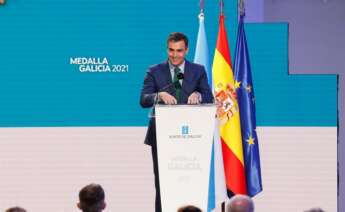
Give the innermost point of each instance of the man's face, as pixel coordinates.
(176, 52)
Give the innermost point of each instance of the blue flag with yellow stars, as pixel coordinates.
(246, 101)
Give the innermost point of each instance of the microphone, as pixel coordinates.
(180, 76)
(166, 88)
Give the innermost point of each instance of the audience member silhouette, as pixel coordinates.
(315, 210)
(240, 203)
(16, 209)
(189, 208)
(91, 198)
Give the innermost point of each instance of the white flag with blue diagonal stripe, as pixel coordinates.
(217, 187)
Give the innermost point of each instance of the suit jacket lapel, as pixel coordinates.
(188, 75)
(166, 73)
(167, 78)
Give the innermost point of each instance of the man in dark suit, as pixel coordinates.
(176, 81)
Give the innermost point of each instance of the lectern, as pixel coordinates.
(184, 145)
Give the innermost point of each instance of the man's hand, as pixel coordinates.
(194, 98)
(167, 98)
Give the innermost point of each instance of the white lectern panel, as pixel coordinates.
(184, 144)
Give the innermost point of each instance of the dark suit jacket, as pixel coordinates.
(158, 78)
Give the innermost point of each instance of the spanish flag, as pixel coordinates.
(228, 113)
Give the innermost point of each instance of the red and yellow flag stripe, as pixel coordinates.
(230, 129)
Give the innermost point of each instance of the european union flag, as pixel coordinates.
(246, 101)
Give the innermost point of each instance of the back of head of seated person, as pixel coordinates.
(315, 210)
(240, 203)
(16, 209)
(91, 198)
(189, 208)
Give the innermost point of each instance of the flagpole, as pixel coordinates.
(241, 8)
(201, 14)
(221, 5)
(201, 6)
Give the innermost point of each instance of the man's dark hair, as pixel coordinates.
(91, 198)
(189, 208)
(16, 209)
(178, 36)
